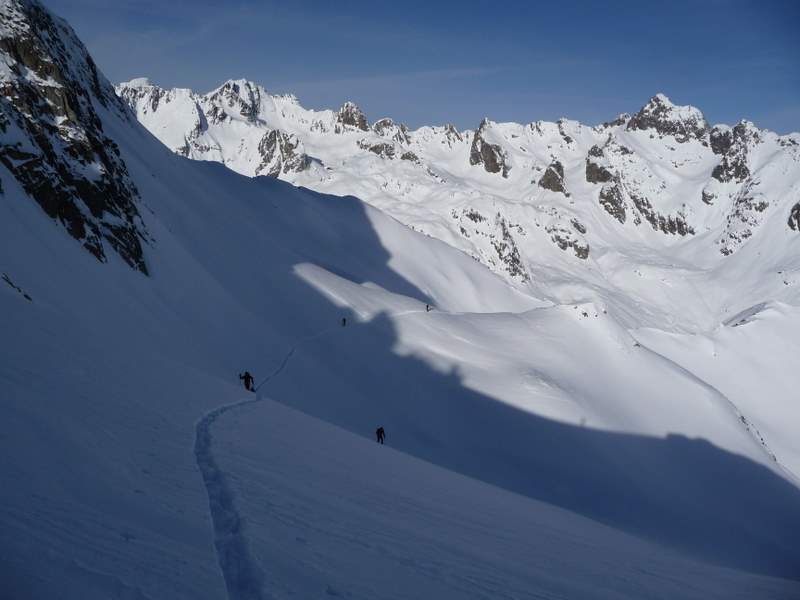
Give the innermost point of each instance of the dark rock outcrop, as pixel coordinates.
(351, 116)
(563, 132)
(491, 156)
(553, 178)
(135, 92)
(613, 198)
(388, 128)
(242, 96)
(734, 145)
(794, 217)
(280, 153)
(507, 251)
(578, 226)
(452, 135)
(382, 149)
(744, 218)
(566, 239)
(596, 173)
(672, 224)
(52, 138)
(720, 139)
(613, 201)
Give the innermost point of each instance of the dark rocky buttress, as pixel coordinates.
(553, 178)
(351, 116)
(491, 156)
(52, 139)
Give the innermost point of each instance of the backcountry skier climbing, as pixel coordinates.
(380, 434)
(248, 381)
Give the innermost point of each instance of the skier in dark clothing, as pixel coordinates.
(248, 381)
(380, 434)
(344, 321)
(427, 308)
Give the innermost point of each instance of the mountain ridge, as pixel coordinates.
(517, 197)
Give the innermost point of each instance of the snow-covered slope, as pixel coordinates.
(658, 207)
(135, 466)
(406, 529)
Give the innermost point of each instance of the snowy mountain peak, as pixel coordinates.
(668, 119)
(350, 115)
(241, 95)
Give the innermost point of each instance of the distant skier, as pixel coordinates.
(248, 381)
(380, 434)
(427, 308)
(344, 321)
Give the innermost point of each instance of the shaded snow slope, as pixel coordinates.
(744, 359)
(324, 512)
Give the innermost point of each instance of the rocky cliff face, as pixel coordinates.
(52, 139)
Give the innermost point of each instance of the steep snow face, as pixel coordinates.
(52, 140)
(570, 212)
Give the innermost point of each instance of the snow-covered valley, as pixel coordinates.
(584, 433)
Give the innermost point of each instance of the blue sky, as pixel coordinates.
(435, 62)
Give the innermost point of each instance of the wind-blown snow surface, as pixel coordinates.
(535, 447)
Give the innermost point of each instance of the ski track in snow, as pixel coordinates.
(243, 576)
